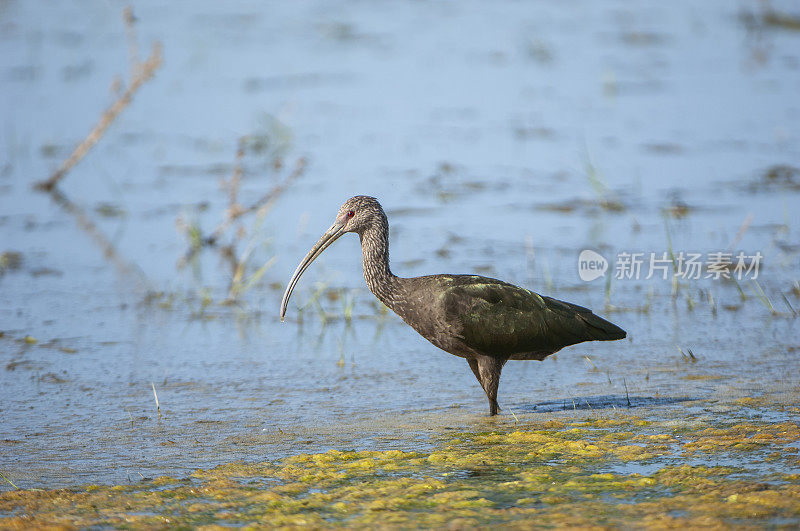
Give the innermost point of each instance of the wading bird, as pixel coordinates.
(484, 320)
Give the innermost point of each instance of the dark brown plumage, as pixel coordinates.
(484, 320)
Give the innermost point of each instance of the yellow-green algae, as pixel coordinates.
(554, 473)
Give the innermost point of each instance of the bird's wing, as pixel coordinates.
(502, 319)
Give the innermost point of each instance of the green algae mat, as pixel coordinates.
(699, 469)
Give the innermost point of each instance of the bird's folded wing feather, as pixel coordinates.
(500, 318)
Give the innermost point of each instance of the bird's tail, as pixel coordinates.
(601, 330)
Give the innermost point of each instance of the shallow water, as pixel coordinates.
(501, 139)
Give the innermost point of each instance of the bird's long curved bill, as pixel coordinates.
(330, 236)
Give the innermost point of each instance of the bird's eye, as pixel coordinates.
(350, 214)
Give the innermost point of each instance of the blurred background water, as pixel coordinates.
(502, 138)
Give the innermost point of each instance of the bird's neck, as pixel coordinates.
(380, 279)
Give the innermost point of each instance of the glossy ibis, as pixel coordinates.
(484, 320)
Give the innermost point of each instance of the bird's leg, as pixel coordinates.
(487, 370)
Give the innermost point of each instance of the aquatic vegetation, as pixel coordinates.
(10, 261)
(586, 472)
(605, 198)
(269, 146)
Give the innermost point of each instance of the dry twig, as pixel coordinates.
(263, 204)
(236, 211)
(142, 72)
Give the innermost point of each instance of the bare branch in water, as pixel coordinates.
(142, 72)
(235, 211)
(263, 204)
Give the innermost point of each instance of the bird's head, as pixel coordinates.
(355, 215)
(358, 213)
